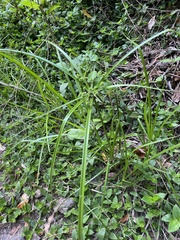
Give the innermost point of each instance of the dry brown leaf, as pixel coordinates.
(48, 224)
(166, 164)
(26, 224)
(176, 95)
(24, 201)
(15, 229)
(38, 193)
(63, 205)
(137, 149)
(2, 148)
(111, 174)
(151, 22)
(104, 157)
(86, 13)
(140, 152)
(176, 76)
(124, 219)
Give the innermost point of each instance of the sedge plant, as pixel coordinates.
(85, 95)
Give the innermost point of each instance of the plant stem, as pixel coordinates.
(83, 173)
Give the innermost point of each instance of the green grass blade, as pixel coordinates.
(59, 138)
(83, 173)
(37, 57)
(68, 58)
(134, 49)
(33, 74)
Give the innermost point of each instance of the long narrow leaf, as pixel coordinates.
(33, 74)
(59, 138)
(134, 49)
(83, 173)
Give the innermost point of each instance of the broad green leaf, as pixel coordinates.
(75, 134)
(16, 213)
(85, 218)
(153, 213)
(31, 4)
(107, 202)
(151, 200)
(155, 198)
(167, 218)
(161, 195)
(176, 178)
(112, 236)
(148, 199)
(115, 199)
(109, 192)
(140, 222)
(85, 230)
(2, 203)
(105, 221)
(54, 7)
(159, 79)
(174, 225)
(101, 234)
(176, 212)
(116, 205)
(74, 234)
(90, 232)
(92, 75)
(63, 86)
